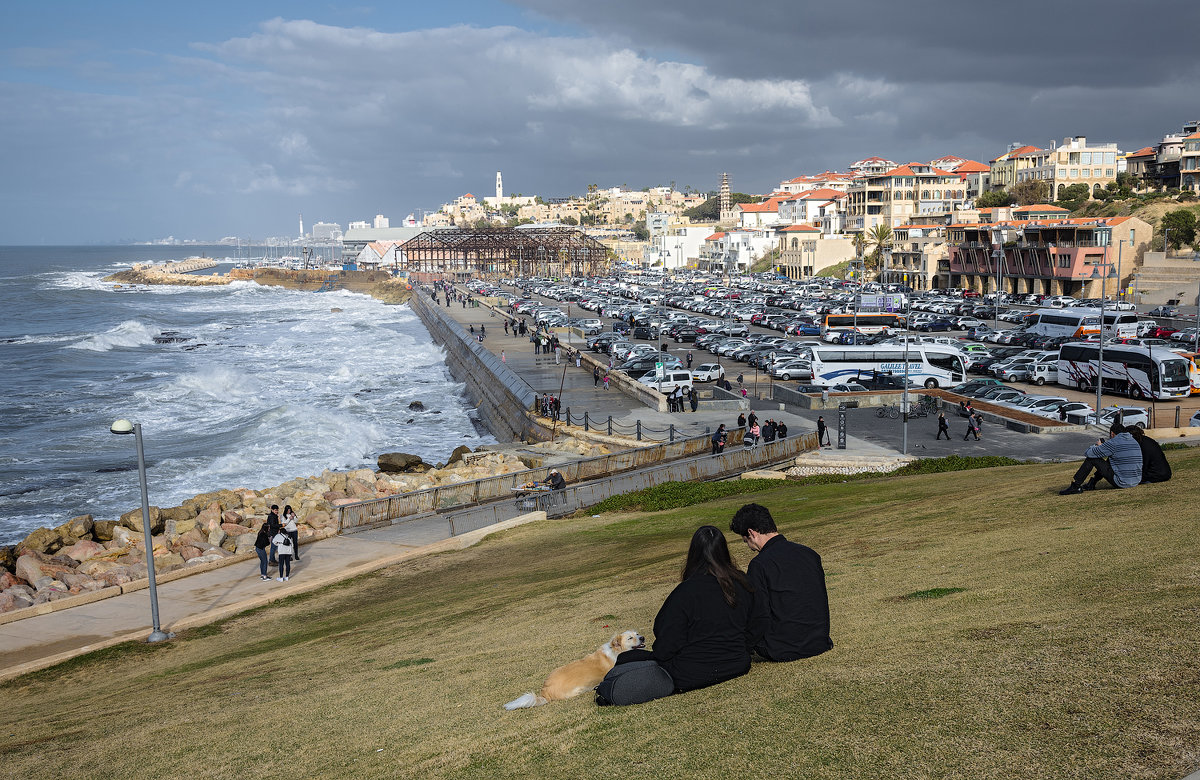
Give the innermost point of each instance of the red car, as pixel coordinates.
(1162, 332)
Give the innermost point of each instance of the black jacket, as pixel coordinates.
(1155, 467)
(789, 579)
(698, 638)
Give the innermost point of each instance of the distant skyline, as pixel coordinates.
(132, 121)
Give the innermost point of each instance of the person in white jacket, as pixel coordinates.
(283, 551)
(289, 526)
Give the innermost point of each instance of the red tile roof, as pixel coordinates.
(800, 229)
(715, 237)
(1040, 207)
(1148, 151)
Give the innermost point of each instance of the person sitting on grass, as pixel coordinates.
(701, 633)
(1118, 460)
(1155, 467)
(789, 581)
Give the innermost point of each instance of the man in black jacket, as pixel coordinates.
(789, 576)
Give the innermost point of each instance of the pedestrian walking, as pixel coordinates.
(503, 359)
(822, 431)
(578, 360)
(606, 381)
(972, 428)
(740, 383)
(506, 326)
(943, 426)
(482, 332)
(557, 352)
(596, 376)
(694, 399)
(689, 360)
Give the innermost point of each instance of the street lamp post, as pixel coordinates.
(1103, 277)
(125, 427)
(996, 255)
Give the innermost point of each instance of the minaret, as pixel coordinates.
(301, 225)
(499, 186)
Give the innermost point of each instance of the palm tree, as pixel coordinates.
(880, 237)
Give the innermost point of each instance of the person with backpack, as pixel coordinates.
(283, 551)
(718, 440)
(972, 427)
(292, 530)
(273, 527)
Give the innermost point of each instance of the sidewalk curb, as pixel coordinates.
(453, 543)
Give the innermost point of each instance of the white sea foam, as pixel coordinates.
(130, 333)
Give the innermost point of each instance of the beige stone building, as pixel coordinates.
(805, 250)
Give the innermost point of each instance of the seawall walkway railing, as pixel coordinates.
(471, 505)
(447, 497)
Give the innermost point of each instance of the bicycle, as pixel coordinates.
(889, 410)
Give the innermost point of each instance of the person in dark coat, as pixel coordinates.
(273, 527)
(789, 581)
(822, 431)
(262, 543)
(1155, 467)
(741, 421)
(781, 429)
(693, 399)
(943, 426)
(701, 632)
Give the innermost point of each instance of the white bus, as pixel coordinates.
(1136, 371)
(1079, 322)
(931, 365)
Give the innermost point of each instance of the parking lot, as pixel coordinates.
(751, 318)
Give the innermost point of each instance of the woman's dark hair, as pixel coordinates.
(709, 553)
(287, 510)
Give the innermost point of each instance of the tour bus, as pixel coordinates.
(931, 365)
(1079, 322)
(868, 323)
(1136, 371)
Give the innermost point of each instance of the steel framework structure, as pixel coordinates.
(505, 252)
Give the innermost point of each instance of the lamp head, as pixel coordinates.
(121, 427)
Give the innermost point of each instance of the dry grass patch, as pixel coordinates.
(1063, 645)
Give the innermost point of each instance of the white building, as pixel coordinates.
(381, 222)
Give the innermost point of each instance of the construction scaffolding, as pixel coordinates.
(545, 252)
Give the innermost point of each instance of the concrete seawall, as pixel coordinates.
(501, 396)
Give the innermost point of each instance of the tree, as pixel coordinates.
(569, 220)
(1073, 197)
(879, 237)
(993, 199)
(640, 231)
(710, 210)
(1179, 227)
(1029, 192)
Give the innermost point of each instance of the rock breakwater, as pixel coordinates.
(85, 554)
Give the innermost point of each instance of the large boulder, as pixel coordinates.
(165, 563)
(244, 543)
(8, 557)
(84, 549)
(42, 540)
(217, 536)
(102, 530)
(182, 525)
(133, 520)
(76, 528)
(458, 453)
(398, 462)
(223, 499)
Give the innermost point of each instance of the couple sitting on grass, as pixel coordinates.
(717, 619)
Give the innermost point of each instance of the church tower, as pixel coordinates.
(499, 186)
(726, 214)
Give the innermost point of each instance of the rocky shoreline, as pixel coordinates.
(84, 554)
(378, 284)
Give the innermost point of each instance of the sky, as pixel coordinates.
(134, 121)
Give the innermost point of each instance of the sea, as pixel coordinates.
(264, 385)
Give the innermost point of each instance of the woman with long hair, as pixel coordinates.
(702, 634)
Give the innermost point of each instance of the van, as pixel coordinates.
(670, 380)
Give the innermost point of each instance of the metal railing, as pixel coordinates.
(571, 499)
(445, 497)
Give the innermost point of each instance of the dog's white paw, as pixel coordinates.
(522, 702)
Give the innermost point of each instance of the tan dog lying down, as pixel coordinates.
(578, 676)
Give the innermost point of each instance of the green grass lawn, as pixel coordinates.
(983, 626)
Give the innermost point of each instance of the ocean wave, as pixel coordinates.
(130, 333)
(78, 280)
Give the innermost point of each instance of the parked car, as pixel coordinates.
(1127, 415)
(975, 384)
(708, 372)
(1164, 311)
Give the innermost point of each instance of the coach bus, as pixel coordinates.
(867, 324)
(1080, 322)
(931, 365)
(1136, 371)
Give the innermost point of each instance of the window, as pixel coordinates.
(1085, 158)
(1062, 173)
(1109, 158)
(1074, 173)
(1108, 173)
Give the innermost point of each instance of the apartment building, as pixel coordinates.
(805, 250)
(811, 207)
(1074, 162)
(829, 180)
(734, 251)
(1189, 163)
(918, 254)
(1058, 257)
(1003, 170)
(898, 195)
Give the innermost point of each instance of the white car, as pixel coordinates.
(1128, 416)
(1195, 421)
(708, 372)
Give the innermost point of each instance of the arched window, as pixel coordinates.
(795, 243)
(1096, 191)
